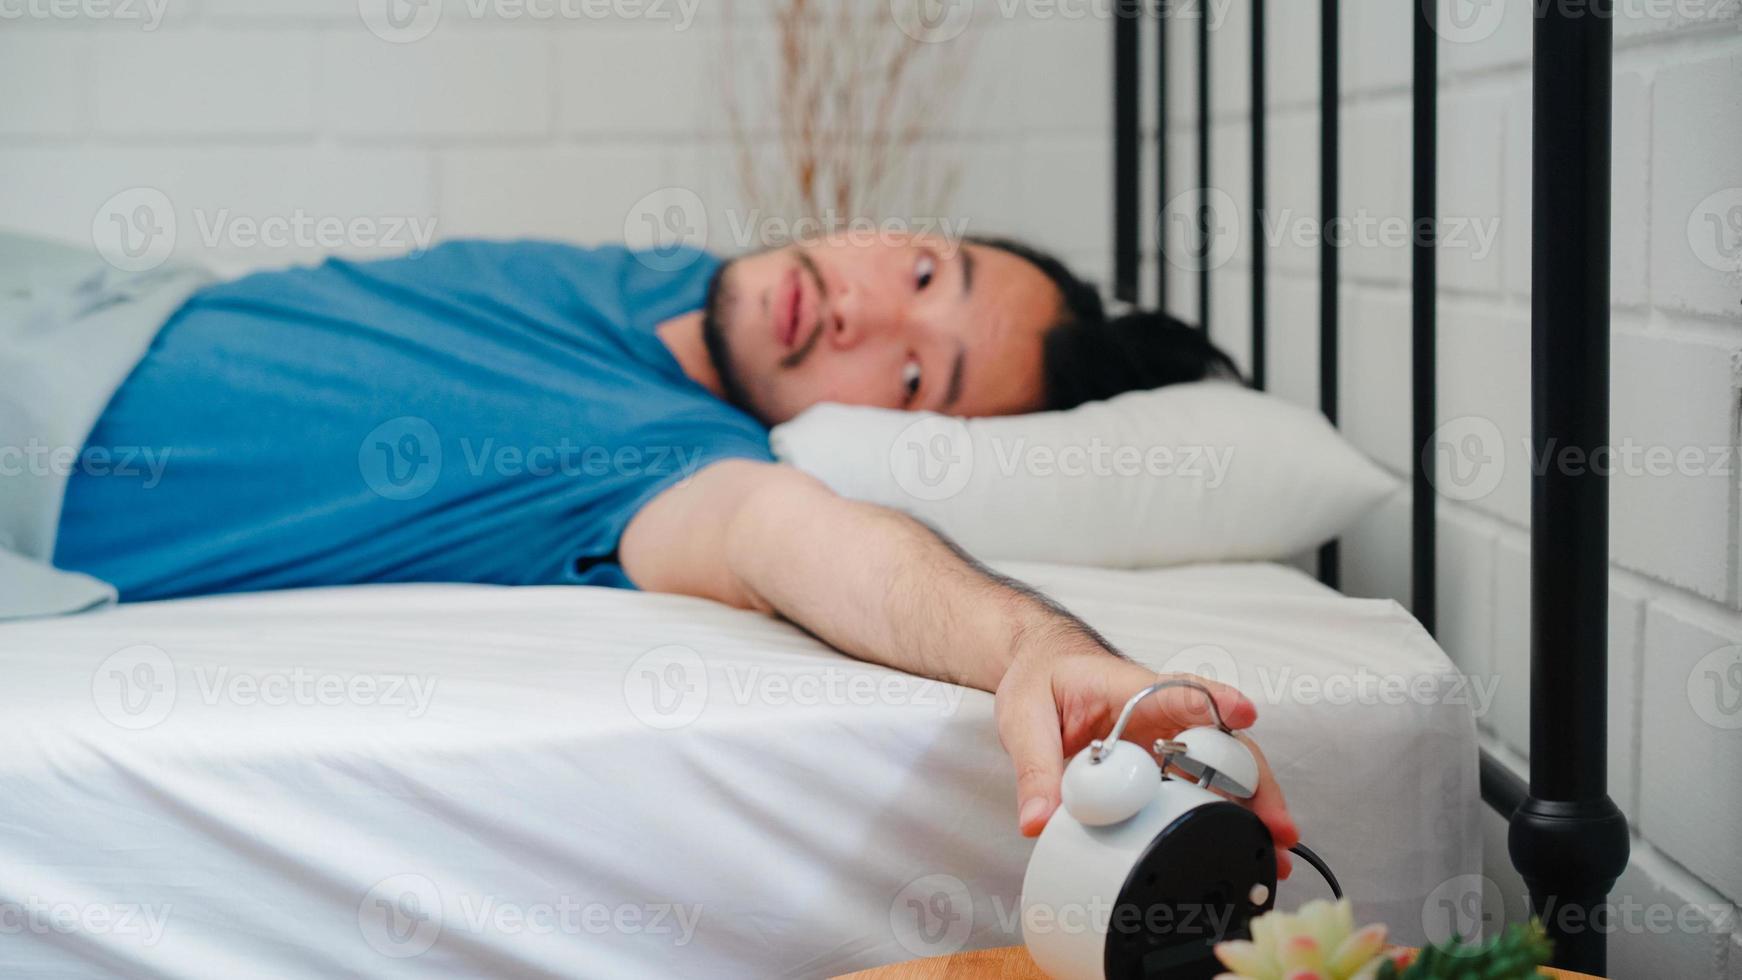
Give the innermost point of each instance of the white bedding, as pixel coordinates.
(507, 799)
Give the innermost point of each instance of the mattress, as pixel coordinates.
(445, 780)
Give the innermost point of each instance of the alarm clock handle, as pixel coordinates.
(1099, 746)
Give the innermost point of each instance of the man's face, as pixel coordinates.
(916, 323)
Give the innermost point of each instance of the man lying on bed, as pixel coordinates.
(537, 413)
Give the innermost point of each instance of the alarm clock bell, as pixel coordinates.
(1140, 873)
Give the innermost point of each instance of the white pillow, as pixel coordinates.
(1208, 471)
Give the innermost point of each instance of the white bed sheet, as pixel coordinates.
(506, 808)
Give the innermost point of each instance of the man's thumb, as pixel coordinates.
(1028, 725)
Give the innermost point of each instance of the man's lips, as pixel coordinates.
(789, 303)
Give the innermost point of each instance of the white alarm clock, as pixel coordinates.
(1139, 874)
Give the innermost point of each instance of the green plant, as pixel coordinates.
(1516, 953)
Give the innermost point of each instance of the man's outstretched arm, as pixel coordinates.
(881, 587)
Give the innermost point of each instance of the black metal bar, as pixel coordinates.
(1204, 209)
(1330, 97)
(1502, 789)
(1161, 159)
(1424, 284)
(1258, 176)
(1568, 839)
(1127, 153)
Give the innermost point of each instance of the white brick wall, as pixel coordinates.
(201, 82)
(1676, 601)
(503, 119)
(506, 124)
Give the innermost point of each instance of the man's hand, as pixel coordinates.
(879, 586)
(1051, 705)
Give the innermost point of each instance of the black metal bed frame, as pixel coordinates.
(1567, 838)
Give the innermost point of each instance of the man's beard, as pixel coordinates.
(714, 331)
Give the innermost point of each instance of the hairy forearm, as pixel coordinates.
(882, 587)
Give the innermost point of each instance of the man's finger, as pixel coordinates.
(1271, 808)
(1173, 709)
(1028, 727)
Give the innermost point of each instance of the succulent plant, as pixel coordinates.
(1516, 953)
(1320, 942)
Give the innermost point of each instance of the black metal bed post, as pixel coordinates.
(1569, 840)
(1161, 158)
(1127, 152)
(1423, 285)
(1258, 176)
(1330, 107)
(1205, 212)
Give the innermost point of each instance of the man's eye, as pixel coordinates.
(924, 270)
(910, 379)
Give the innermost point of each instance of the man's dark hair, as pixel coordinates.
(1087, 356)
(1085, 361)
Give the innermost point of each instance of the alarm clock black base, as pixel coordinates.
(1193, 888)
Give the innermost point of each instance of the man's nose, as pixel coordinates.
(853, 317)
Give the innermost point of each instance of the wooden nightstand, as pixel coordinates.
(1007, 963)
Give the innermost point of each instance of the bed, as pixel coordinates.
(1566, 836)
(446, 780)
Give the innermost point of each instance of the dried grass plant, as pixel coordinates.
(832, 118)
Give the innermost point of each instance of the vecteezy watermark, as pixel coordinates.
(757, 229)
(147, 14)
(1100, 916)
(937, 21)
(1201, 228)
(1469, 459)
(138, 686)
(135, 687)
(406, 914)
(222, 228)
(1465, 907)
(1205, 660)
(36, 458)
(1361, 685)
(932, 915)
(668, 227)
(36, 916)
(401, 916)
(1715, 231)
(935, 914)
(1470, 906)
(138, 228)
(934, 458)
(1468, 21)
(1715, 688)
(1474, 234)
(670, 686)
(403, 458)
(135, 230)
(567, 457)
(666, 687)
(405, 21)
(1629, 916)
(1475, 21)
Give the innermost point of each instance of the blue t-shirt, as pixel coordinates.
(482, 412)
